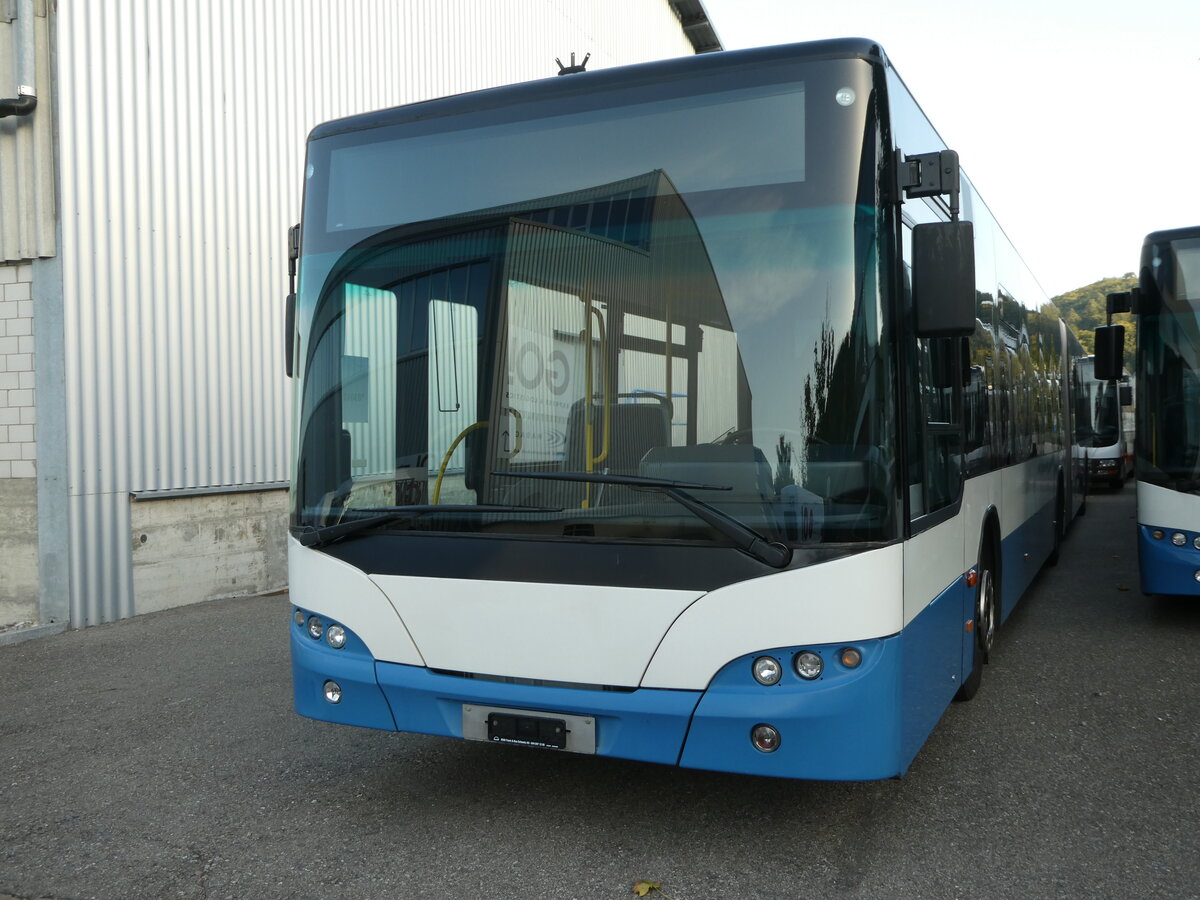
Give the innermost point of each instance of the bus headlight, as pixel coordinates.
(1196, 542)
(1157, 534)
(315, 628)
(767, 670)
(808, 665)
(298, 617)
(1179, 539)
(335, 636)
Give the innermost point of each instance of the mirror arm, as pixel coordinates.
(930, 175)
(289, 315)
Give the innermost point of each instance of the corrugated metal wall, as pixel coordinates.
(181, 141)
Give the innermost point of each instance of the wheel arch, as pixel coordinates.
(989, 539)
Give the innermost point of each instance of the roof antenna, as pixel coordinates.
(572, 69)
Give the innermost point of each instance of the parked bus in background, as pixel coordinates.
(1166, 302)
(1100, 419)
(694, 412)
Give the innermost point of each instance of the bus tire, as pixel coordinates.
(986, 621)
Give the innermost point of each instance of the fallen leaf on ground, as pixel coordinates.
(642, 888)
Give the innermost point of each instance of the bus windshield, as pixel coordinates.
(679, 284)
(1098, 409)
(1168, 447)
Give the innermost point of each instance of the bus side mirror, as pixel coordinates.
(1119, 302)
(289, 309)
(943, 274)
(1110, 352)
(289, 333)
(1126, 395)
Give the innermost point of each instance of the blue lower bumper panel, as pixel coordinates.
(1165, 568)
(647, 725)
(352, 669)
(845, 725)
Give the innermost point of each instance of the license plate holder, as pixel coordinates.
(529, 728)
(529, 731)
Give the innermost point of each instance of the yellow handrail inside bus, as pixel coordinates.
(518, 437)
(437, 487)
(591, 459)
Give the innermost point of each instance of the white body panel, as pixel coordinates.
(1165, 508)
(854, 598)
(631, 637)
(560, 632)
(933, 560)
(332, 588)
(600, 635)
(1025, 488)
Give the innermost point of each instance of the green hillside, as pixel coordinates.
(1083, 309)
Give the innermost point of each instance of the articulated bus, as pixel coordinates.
(1102, 425)
(695, 412)
(1166, 302)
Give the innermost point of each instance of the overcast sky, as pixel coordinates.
(1077, 120)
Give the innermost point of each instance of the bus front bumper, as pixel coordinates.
(845, 725)
(1165, 567)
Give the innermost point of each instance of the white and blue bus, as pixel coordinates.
(1103, 427)
(693, 412)
(1166, 303)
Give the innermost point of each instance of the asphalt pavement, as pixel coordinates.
(159, 757)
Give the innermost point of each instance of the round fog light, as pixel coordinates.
(315, 628)
(1196, 574)
(336, 636)
(767, 670)
(333, 692)
(808, 665)
(850, 657)
(1179, 539)
(765, 738)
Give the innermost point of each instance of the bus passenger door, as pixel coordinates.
(934, 552)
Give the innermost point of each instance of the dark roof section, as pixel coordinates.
(694, 20)
(601, 79)
(1172, 234)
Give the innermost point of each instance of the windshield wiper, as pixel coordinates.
(312, 536)
(744, 537)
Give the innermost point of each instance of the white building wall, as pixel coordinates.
(18, 411)
(181, 128)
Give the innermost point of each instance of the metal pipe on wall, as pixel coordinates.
(26, 100)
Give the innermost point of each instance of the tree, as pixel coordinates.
(1084, 309)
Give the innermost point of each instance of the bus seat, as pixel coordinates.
(636, 428)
